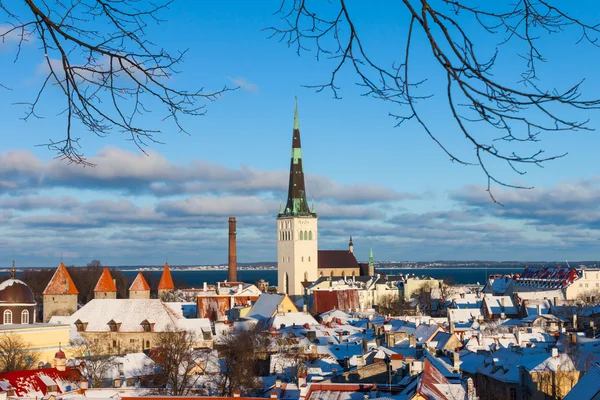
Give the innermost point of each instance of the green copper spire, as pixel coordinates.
(371, 259)
(296, 120)
(280, 206)
(296, 204)
(313, 206)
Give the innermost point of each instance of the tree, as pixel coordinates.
(389, 304)
(452, 37)
(108, 71)
(240, 350)
(178, 362)
(97, 358)
(16, 354)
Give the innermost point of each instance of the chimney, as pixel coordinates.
(240, 288)
(452, 328)
(273, 395)
(236, 393)
(204, 287)
(574, 321)
(232, 277)
(365, 347)
(554, 352)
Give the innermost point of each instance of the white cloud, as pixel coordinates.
(244, 84)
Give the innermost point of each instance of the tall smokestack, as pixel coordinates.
(232, 251)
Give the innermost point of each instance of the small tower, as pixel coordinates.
(60, 360)
(105, 288)
(165, 286)
(60, 295)
(371, 263)
(139, 289)
(351, 245)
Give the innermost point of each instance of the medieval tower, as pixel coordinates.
(297, 230)
(60, 296)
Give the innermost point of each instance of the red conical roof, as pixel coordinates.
(166, 281)
(105, 283)
(139, 284)
(61, 282)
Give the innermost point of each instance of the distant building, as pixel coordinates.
(165, 285)
(217, 302)
(411, 285)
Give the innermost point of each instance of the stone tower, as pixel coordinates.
(297, 229)
(105, 288)
(60, 296)
(165, 286)
(139, 289)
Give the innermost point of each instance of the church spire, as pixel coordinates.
(296, 204)
(371, 258)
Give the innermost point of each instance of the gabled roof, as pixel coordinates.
(105, 283)
(166, 281)
(266, 306)
(587, 388)
(337, 259)
(139, 284)
(61, 282)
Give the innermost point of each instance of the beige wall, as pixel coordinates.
(62, 305)
(339, 272)
(413, 286)
(139, 294)
(129, 342)
(587, 285)
(105, 295)
(296, 258)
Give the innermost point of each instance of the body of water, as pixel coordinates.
(197, 278)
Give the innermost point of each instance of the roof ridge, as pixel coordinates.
(139, 283)
(61, 282)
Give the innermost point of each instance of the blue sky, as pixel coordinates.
(391, 188)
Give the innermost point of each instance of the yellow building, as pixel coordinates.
(43, 339)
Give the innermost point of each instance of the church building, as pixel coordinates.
(298, 258)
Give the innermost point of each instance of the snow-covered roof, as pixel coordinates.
(464, 315)
(129, 314)
(500, 304)
(292, 318)
(587, 388)
(266, 306)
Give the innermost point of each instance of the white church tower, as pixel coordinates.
(297, 229)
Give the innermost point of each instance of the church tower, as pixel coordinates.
(297, 230)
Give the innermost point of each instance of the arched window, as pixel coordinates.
(305, 276)
(302, 259)
(308, 258)
(7, 317)
(25, 317)
(309, 235)
(302, 237)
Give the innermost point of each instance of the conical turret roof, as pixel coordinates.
(166, 281)
(139, 284)
(105, 283)
(61, 282)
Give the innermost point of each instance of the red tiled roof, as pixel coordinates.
(430, 379)
(139, 284)
(61, 282)
(105, 283)
(29, 383)
(337, 259)
(166, 281)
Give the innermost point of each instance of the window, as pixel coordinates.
(309, 235)
(25, 317)
(131, 341)
(7, 317)
(147, 326)
(114, 343)
(147, 344)
(302, 259)
(301, 236)
(308, 258)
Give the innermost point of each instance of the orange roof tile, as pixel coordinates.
(166, 281)
(105, 283)
(139, 284)
(61, 282)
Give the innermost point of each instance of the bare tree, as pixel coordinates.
(180, 364)
(389, 304)
(454, 36)
(98, 56)
(97, 358)
(240, 350)
(16, 354)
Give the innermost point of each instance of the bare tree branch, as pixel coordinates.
(477, 99)
(97, 54)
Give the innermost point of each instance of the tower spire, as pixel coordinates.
(296, 204)
(13, 271)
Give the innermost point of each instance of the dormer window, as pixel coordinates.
(147, 326)
(113, 326)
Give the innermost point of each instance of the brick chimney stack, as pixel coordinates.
(232, 262)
